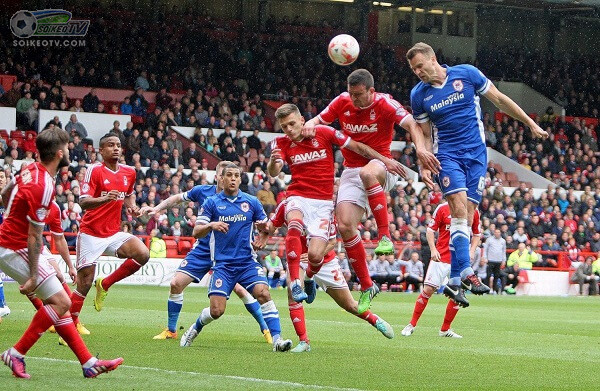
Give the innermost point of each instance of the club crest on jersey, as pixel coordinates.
(458, 85)
(125, 180)
(218, 283)
(372, 115)
(315, 143)
(339, 134)
(446, 181)
(41, 213)
(245, 207)
(85, 188)
(183, 263)
(347, 113)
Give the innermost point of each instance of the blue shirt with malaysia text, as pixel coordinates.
(199, 194)
(240, 212)
(453, 108)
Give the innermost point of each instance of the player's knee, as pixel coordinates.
(262, 295)
(367, 174)
(142, 256)
(216, 312)
(177, 287)
(428, 290)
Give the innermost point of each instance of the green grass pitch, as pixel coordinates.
(509, 343)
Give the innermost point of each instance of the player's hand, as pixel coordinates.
(262, 225)
(538, 132)
(29, 286)
(276, 155)
(112, 195)
(435, 255)
(428, 161)
(395, 167)
(219, 226)
(308, 130)
(426, 178)
(149, 210)
(304, 257)
(73, 275)
(260, 241)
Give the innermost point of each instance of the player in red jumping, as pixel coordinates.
(106, 187)
(27, 208)
(369, 117)
(310, 195)
(439, 268)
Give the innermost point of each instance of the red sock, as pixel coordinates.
(369, 317)
(37, 303)
(293, 246)
(451, 310)
(297, 316)
(43, 318)
(313, 268)
(378, 205)
(128, 267)
(76, 305)
(67, 288)
(420, 305)
(66, 329)
(358, 259)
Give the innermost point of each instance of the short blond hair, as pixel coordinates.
(285, 110)
(420, 48)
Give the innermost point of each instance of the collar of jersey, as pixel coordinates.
(232, 200)
(445, 80)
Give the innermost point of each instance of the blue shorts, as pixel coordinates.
(225, 276)
(464, 170)
(195, 265)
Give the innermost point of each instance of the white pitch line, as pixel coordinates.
(231, 377)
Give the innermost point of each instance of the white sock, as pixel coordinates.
(89, 363)
(248, 299)
(205, 317)
(176, 298)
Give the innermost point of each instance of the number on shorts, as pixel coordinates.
(481, 185)
(336, 275)
(324, 224)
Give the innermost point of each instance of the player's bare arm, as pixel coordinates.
(392, 165)
(475, 240)
(201, 230)
(132, 206)
(435, 254)
(5, 194)
(34, 246)
(63, 249)
(164, 204)
(275, 163)
(94, 202)
(426, 173)
(509, 106)
(421, 137)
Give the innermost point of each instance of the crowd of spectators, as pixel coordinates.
(123, 53)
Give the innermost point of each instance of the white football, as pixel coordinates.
(343, 49)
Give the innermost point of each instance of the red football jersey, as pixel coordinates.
(29, 201)
(311, 162)
(105, 220)
(53, 220)
(373, 125)
(441, 223)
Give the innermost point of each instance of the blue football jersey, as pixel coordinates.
(240, 213)
(453, 108)
(199, 194)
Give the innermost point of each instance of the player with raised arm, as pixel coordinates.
(310, 197)
(329, 277)
(27, 208)
(439, 267)
(106, 187)
(368, 117)
(198, 261)
(447, 100)
(229, 218)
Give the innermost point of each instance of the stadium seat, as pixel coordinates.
(184, 246)
(511, 176)
(172, 253)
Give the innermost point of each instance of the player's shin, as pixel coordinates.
(126, 269)
(67, 331)
(293, 247)
(378, 205)
(420, 305)
(451, 311)
(37, 303)
(271, 316)
(358, 259)
(253, 308)
(298, 320)
(460, 237)
(204, 319)
(174, 305)
(369, 317)
(43, 318)
(77, 300)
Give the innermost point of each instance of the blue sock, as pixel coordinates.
(454, 268)
(254, 309)
(460, 237)
(2, 303)
(271, 316)
(174, 305)
(203, 319)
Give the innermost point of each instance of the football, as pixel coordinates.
(23, 24)
(343, 49)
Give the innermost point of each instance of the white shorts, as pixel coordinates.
(16, 265)
(438, 274)
(90, 248)
(317, 215)
(353, 190)
(49, 256)
(330, 276)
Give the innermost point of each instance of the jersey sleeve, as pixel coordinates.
(399, 113)
(38, 202)
(131, 187)
(259, 214)
(54, 222)
(88, 189)
(333, 136)
(207, 212)
(436, 220)
(416, 102)
(480, 81)
(194, 194)
(331, 112)
(476, 227)
(278, 218)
